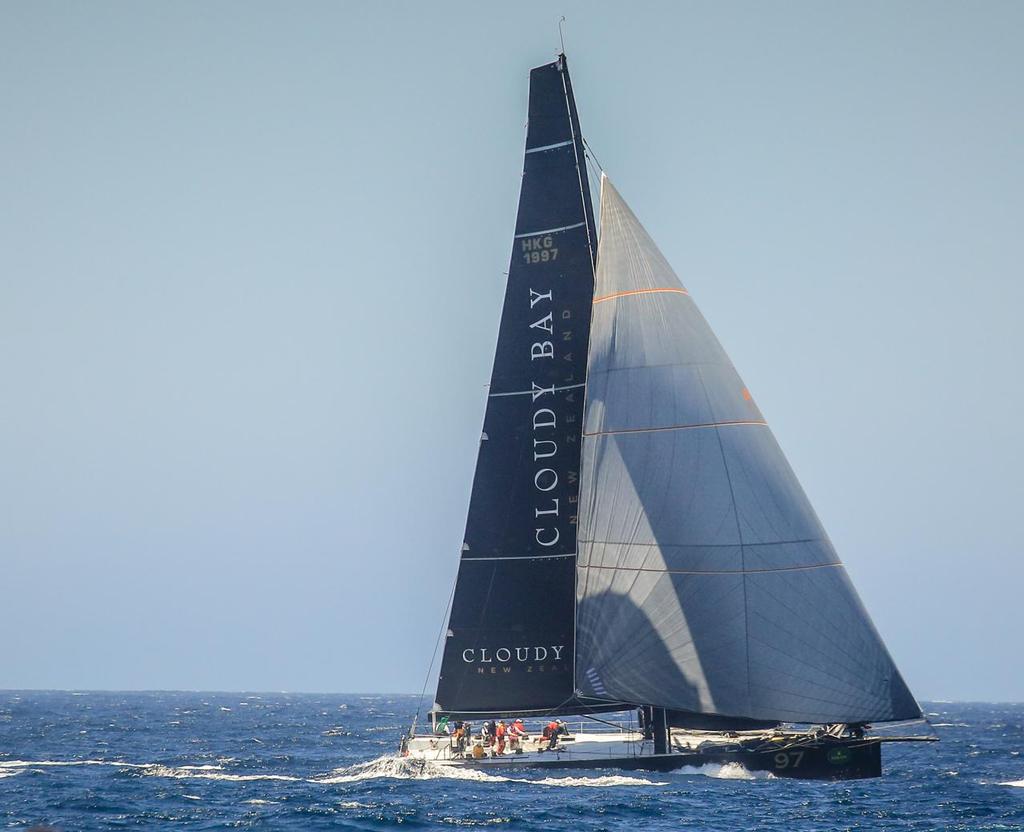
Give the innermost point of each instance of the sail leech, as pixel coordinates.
(707, 583)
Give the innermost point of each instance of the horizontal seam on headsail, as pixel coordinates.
(681, 427)
(542, 390)
(716, 571)
(551, 230)
(548, 146)
(614, 295)
(524, 557)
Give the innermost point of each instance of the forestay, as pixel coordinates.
(706, 582)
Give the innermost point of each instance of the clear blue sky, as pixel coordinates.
(251, 266)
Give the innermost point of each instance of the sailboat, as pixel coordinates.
(636, 541)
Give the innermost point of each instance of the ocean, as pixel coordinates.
(278, 761)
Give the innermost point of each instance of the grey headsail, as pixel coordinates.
(509, 644)
(706, 582)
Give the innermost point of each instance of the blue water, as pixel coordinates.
(217, 761)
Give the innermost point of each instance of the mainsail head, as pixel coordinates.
(706, 582)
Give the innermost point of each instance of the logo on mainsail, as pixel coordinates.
(504, 655)
(545, 479)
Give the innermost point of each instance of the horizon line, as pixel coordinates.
(378, 693)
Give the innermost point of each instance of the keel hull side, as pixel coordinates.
(839, 761)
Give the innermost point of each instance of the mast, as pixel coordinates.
(510, 641)
(707, 584)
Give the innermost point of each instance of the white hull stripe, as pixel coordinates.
(550, 230)
(526, 557)
(548, 146)
(543, 390)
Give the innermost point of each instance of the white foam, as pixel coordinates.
(609, 780)
(391, 767)
(209, 773)
(402, 768)
(22, 764)
(257, 802)
(1018, 783)
(9, 768)
(725, 771)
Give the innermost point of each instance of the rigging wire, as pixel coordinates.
(594, 173)
(592, 154)
(594, 177)
(433, 657)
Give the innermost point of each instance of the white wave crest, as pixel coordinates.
(9, 768)
(398, 768)
(726, 771)
(209, 773)
(1018, 783)
(403, 768)
(48, 763)
(609, 780)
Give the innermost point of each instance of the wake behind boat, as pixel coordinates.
(636, 538)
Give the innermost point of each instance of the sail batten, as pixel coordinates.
(706, 584)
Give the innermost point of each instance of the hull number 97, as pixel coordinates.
(788, 759)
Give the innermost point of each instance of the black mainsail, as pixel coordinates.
(706, 582)
(510, 639)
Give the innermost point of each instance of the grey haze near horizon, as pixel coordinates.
(251, 267)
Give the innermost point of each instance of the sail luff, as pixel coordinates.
(707, 583)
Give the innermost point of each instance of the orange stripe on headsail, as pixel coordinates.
(638, 292)
(725, 424)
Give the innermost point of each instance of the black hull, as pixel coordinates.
(839, 760)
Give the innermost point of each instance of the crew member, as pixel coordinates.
(500, 734)
(517, 732)
(459, 739)
(552, 731)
